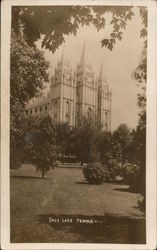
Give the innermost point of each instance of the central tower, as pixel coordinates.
(62, 93)
(86, 98)
(104, 102)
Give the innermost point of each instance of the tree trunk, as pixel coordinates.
(122, 158)
(43, 174)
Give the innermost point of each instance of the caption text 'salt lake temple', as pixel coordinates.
(73, 96)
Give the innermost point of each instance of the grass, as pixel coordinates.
(48, 210)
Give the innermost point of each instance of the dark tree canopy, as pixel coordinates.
(122, 136)
(28, 74)
(28, 69)
(140, 75)
(85, 141)
(54, 22)
(41, 132)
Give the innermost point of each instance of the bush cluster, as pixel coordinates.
(94, 173)
(141, 202)
(131, 174)
(15, 158)
(15, 161)
(134, 177)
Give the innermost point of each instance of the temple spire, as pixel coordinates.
(82, 60)
(101, 72)
(62, 56)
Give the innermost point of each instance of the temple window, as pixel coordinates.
(55, 119)
(89, 112)
(67, 106)
(67, 118)
(105, 116)
(55, 107)
(106, 127)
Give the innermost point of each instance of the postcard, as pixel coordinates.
(78, 148)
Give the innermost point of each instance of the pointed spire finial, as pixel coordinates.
(62, 56)
(101, 72)
(82, 60)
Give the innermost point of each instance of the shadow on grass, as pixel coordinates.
(82, 182)
(125, 190)
(28, 177)
(97, 229)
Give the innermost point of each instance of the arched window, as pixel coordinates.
(55, 106)
(89, 112)
(40, 109)
(106, 116)
(35, 110)
(67, 107)
(45, 107)
(106, 127)
(55, 118)
(67, 118)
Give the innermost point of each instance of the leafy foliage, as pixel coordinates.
(28, 70)
(123, 138)
(64, 138)
(134, 177)
(140, 75)
(108, 147)
(28, 73)
(119, 23)
(109, 154)
(139, 134)
(58, 21)
(94, 173)
(85, 139)
(18, 126)
(141, 203)
(42, 137)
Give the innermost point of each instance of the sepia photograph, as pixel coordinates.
(77, 123)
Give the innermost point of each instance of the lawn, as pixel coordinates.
(63, 207)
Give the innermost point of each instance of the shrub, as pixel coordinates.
(42, 151)
(94, 173)
(134, 177)
(141, 202)
(15, 155)
(15, 160)
(112, 169)
(44, 161)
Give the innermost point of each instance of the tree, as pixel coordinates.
(139, 134)
(109, 151)
(140, 75)
(123, 138)
(85, 141)
(104, 145)
(42, 137)
(64, 138)
(28, 70)
(28, 74)
(18, 126)
(58, 21)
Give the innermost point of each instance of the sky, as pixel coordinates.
(118, 64)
